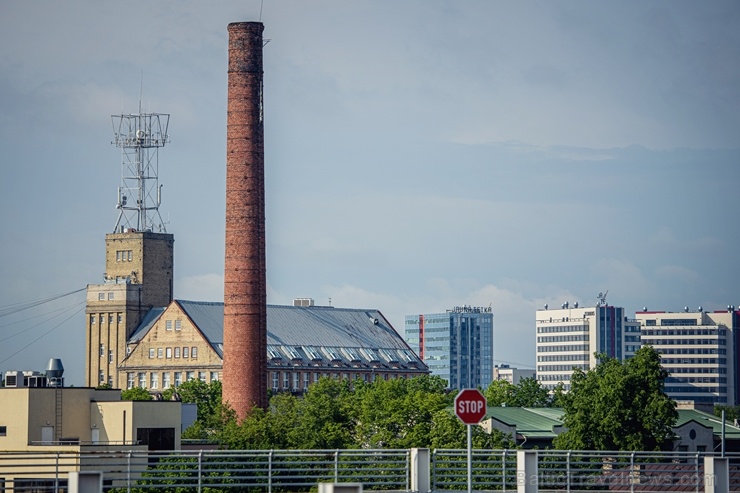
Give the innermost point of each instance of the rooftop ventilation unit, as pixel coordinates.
(303, 302)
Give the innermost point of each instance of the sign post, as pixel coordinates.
(470, 407)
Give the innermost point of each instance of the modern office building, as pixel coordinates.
(456, 345)
(570, 337)
(512, 375)
(698, 348)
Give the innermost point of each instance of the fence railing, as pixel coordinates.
(213, 471)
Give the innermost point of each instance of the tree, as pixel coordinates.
(499, 393)
(136, 394)
(529, 393)
(619, 406)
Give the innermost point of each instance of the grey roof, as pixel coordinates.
(309, 336)
(149, 320)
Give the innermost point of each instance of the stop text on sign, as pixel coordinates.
(470, 407)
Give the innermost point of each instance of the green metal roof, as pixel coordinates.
(708, 420)
(532, 422)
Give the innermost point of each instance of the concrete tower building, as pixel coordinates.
(699, 349)
(570, 336)
(245, 290)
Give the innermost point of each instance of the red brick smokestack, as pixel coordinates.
(245, 286)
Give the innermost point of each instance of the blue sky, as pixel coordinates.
(419, 155)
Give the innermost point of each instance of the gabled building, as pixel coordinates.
(184, 341)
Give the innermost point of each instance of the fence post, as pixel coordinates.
(128, 471)
(269, 471)
(336, 466)
(420, 470)
(632, 472)
(526, 471)
(716, 475)
(200, 470)
(503, 470)
(698, 482)
(568, 473)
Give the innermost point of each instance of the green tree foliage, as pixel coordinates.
(397, 413)
(731, 412)
(527, 393)
(619, 406)
(211, 413)
(104, 386)
(499, 393)
(136, 394)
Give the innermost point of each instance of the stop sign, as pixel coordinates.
(470, 406)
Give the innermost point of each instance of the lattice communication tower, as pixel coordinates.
(139, 196)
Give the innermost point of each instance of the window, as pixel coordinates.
(178, 324)
(120, 318)
(151, 352)
(275, 380)
(3, 431)
(131, 380)
(296, 376)
(306, 380)
(185, 352)
(166, 380)
(92, 319)
(286, 380)
(142, 379)
(110, 297)
(194, 352)
(101, 376)
(214, 376)
(110, 317)
(101, 296)
(110, 356)
(130, 255)
(202, 376)
(102, 350)
(168, 325)
(154, 380)
(178, 378)
(190, 376)
(160, 352)
(168, 352)
(177, 352)
(118, 255)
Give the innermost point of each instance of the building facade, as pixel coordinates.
(699, 350)
(138, 277)
(184, 341)
(456, 345)
(570, 337)
(512, 375)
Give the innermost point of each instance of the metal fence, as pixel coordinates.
(214, 471)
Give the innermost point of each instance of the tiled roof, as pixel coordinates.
(306, 336)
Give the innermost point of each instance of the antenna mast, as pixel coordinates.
(139, 196)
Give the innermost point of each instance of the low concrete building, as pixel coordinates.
(41, 426)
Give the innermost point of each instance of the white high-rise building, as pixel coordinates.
(698, 349)
(570, 337)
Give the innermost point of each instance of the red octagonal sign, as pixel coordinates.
(470, 406)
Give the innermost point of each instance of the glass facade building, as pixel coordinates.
(456, 345)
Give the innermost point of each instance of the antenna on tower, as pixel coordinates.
(602, 298)
(139, 136)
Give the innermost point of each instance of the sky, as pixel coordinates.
(419, 155)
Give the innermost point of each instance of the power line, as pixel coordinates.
(42, 335)
(57, 313)
(25, 305)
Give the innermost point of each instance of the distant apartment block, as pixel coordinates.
(569, 337)
(512, 375)
(456, 345)
(698, 348)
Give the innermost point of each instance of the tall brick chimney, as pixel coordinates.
(245, 287)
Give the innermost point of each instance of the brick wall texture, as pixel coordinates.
(245, 293)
